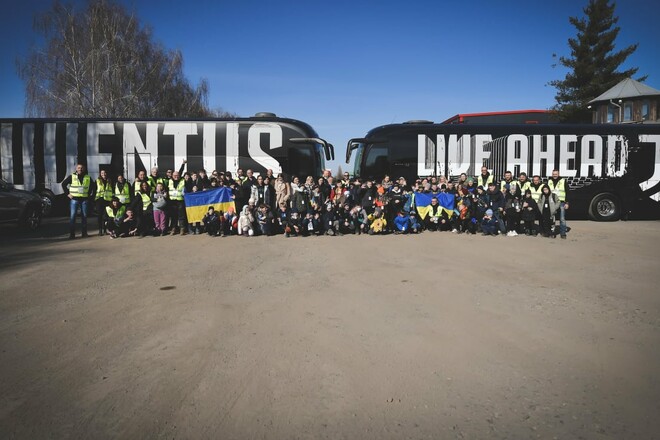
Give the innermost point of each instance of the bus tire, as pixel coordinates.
(605, 207)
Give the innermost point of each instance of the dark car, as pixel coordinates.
(19, 206)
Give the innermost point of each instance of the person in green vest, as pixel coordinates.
(114, 215)
(123, 190)
(485, 178)
(559, 187)
(77, 187)
(177, 206)
(141, 177)
(143, 204)
(102, 199)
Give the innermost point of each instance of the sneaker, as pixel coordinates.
(509, 234)
(454, 231)
(563, 236)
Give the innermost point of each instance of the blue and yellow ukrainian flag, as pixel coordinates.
(423, 203)
(197, 204)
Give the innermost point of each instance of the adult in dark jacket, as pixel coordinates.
(497, 203)
(529, 213)
(78, 187)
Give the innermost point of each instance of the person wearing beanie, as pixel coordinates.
(529, 213)
(489, 223)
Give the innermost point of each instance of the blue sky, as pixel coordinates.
(348, 66)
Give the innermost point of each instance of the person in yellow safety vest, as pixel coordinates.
(485, 178)
(102, 199)
(141, 177)
(177, 205)
(142, 204)
(77, 187)
(536, 187)
(558, 186)
(523, 182)
(123, 190)
(153, 179)
(507, 181)
(114, 215)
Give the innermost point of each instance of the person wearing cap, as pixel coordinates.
(559, 187)
(489, 223)
(529, 213)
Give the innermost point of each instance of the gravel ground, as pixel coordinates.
(429, 336)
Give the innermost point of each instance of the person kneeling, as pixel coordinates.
(211, 222)
(489, 224)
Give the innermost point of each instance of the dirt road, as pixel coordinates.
(429, 336)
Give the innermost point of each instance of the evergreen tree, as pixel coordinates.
(593, 63)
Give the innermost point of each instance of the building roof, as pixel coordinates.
(628, 88)
(463, 117)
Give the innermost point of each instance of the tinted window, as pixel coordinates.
(301, 161)
(376, 163)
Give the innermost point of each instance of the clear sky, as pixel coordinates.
(348, 66)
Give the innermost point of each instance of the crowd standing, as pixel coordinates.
(304, 206)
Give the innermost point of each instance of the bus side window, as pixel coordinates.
(301, 158)
(377, 163)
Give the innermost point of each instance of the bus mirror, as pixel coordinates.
(327, 148)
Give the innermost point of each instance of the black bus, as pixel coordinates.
(38, 154)
(613, 171)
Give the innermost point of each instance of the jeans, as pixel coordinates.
(562, 218)
(73, 209)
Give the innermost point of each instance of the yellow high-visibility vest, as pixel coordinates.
(103, 190)
(176, 193)
(560, 189)
(80, 189)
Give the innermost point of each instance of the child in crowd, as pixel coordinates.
(211, 222)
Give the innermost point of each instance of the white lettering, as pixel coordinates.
(255, 149)
(180, 131)
(480, 155)
(28, 158)
(565, 154)
(548, 155)
(587, 161)
(231, 155)
(459, 154)
(6, 153)
(50, 159)
(208, 147)
(94, 156)
(425, 153)
(133, 145)
(612, 169)
(513, 159)
(655, 178)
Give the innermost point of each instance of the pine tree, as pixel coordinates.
(593, 64)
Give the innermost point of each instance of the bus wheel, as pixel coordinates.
(605, 208)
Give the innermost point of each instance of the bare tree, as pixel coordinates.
(101, 62)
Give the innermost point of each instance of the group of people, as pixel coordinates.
(268, 205)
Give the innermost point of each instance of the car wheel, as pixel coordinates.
(605, 208)
(47, 200)
(31, 219)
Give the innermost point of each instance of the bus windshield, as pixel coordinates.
(318, 151)
(359, 152)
